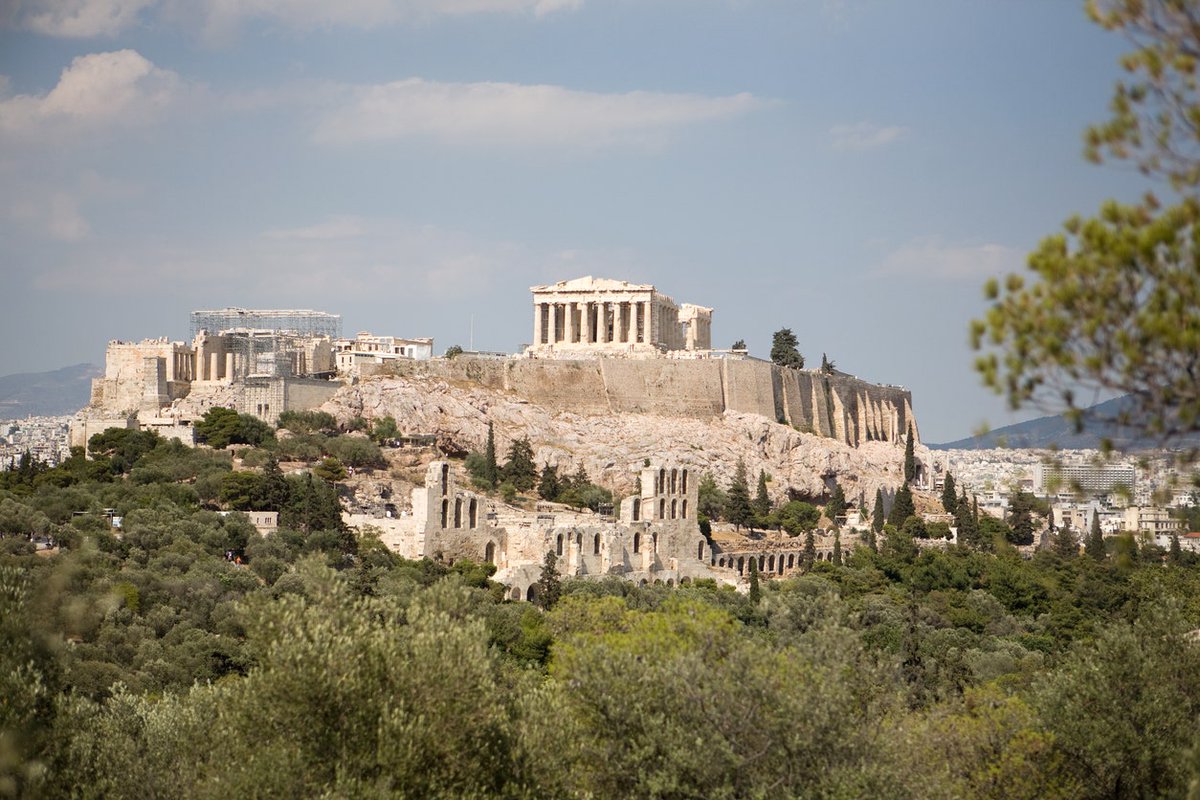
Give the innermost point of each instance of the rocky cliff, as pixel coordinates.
(612, 445)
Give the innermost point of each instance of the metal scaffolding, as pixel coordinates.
(300, 322)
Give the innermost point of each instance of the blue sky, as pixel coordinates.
(852, 170)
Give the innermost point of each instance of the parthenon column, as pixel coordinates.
(537, 322)
(570, 326)
(602, 323)
(553, 323)
(648, 315)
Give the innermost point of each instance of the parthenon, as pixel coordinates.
(587, 315)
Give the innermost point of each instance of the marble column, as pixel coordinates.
(648, 314)
(602, 323)
(537, 322)
(570, 339)
(553, 323)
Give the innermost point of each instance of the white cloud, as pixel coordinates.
(87, 18)
(82, 18)
(863, 136)
(512, 114)
(933, 257)
(97, 91)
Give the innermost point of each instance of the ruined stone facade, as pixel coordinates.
(655, 538)
(598, 315)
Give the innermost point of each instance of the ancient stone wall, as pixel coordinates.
(836, 406)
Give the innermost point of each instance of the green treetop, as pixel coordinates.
(737, 505)
(949, 497)
(784, 349)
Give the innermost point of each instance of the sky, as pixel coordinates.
(853, 170)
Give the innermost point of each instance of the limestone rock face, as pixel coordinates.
(612, 447)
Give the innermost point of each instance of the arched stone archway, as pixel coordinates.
(489, 553)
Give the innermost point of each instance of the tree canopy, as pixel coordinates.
(784, 349)
(1113, 303)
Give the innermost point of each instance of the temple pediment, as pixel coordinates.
(590, 284)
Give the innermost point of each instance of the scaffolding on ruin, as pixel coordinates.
(300, 322)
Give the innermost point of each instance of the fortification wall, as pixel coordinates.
(837, 406)
(664, 387)
(563, 385)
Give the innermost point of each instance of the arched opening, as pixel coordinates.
(683, 509)
(445, 480)
(531, 593)
(781, 564)
(762, 561)
(674, 481)
(662, 481)
(670, 581)
(700, 550)
(654, 542)
(637, 542)
(721, 562)
(516, 593)
(742, 565)
(489, 553)
(674, 508)
(558, 547)
(579, 541)
(791, 560)
(445, 512)
(458, 512)
(473, 513)
(637, 509)
(596, 545)
(683, 482)
(771, 564)
(662, 509)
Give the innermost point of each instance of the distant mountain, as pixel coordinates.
(47, 394)
(1057, 431)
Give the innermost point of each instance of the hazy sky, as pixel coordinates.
(852, 170)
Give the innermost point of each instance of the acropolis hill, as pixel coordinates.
(617, 372)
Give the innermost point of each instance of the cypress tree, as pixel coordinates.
(836, 505)
(902, 507)
(877, 518)
(910, 458)
(1175, 555)
(871, 541)
(810, 549)
(549, 486)
(737, 506)
(837, 548)
(762, 502)
(1065, 543)
(755, 590)
(949, 498)
(491, 469)
(549, 586)
(1095, 542)
(968, 531)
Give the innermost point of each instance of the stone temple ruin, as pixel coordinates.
(590, 316)
(655, 538)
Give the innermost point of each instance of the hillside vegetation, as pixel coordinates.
(149, 662)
